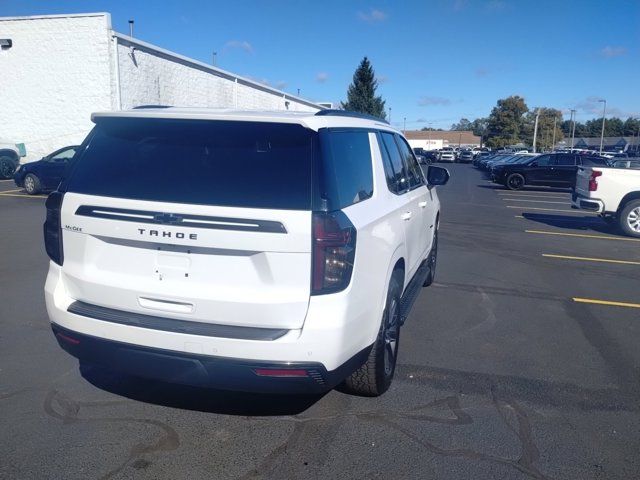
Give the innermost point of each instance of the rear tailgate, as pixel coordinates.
(244, 267)
(582, 180)
(197, 220)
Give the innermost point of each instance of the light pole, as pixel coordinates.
(214, 58)
(604, 112)
(404, 129)
(573, 128)
(535, 130)
(389, 115)
(553, 142)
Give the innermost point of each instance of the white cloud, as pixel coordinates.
(238, 44)
(280, 85)
(610, 52)
(373, 16)
(322, 77)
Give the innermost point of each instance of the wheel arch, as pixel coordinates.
(9, 153)
(627, 198)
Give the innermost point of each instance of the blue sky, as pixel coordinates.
(436, 60)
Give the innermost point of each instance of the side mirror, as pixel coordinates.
(437, 176)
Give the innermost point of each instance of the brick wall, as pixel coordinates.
(56, 73)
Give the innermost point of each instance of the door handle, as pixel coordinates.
(406, 216)
(422, 204)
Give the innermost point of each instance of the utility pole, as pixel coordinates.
(535, 130)
(553, 142)
(573, 128)
(604, 112)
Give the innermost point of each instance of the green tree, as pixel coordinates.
(631, 127)
(431, 129)
(548, 117)
(361, 95)
(463, 125)
(505, 123)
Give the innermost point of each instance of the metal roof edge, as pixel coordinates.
(214, 70)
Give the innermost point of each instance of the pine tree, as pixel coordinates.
(361, 96)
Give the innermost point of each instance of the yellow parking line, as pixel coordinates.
(606, 302)
(509, 199)
(7, 180)
(21, 196)
(588, 259)
(9, 191)
(601, 237)
(525, 207)
(519, 216)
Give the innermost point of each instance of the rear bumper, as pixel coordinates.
(204, 370)
(584, 203)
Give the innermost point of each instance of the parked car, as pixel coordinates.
(614, 193)
(447, 154)
(10, 154)
(268, 264)
(466, 156)
(421, 156)
(552, 170)
(46, 173)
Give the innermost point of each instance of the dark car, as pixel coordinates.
(425, 157)
(551, 170)
(46, 173)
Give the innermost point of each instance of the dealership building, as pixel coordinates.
(437, 139)
(58, 69)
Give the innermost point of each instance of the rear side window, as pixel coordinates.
(238, 164)
(347, 175)
(594, 162)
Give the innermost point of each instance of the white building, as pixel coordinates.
(55, 70)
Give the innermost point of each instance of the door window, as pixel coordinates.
(413, 169)
(64, 155)
(564, 160)
(543, 160)
(393, 164)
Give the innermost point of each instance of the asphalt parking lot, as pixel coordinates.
(520, 362)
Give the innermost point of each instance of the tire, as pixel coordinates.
(433, 260)
(515, 181)
(32, 184)
(629, 219)
(7, 167)
(374, 377)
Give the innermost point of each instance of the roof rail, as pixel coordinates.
(347, 113)
(140, 107)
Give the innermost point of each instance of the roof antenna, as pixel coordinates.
(131, 28)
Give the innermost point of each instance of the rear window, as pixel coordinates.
(239, 164)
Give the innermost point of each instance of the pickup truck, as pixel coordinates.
(614, 193)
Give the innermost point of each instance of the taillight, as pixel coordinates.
(53, 228)
(334, 251)
(593, 182)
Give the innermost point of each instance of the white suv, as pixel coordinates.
(254, 251)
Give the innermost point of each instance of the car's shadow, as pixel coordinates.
(195, 398)
(527, 189)
(590, 223)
